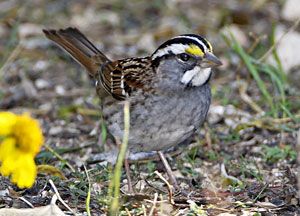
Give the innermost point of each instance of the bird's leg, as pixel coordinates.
(168, 169)
(127, 171)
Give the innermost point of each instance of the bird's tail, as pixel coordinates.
(79, 47)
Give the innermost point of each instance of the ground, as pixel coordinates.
(242, 162)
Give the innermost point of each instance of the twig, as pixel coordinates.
(168, 169)
(88, 197)
(268, 123)
(127, 169)
(26, 201)
(257, 40)
(59, 197)
(127, 212)
(261, 191)
(13, 56)
(158, 201)
(59, 157)
(161, 198)
(168, 186)
(292, 28)
(220, 209)
(153, 204)
(284, 120)
(247, 99)
(153, 186)
(144, 210)
(53, 199)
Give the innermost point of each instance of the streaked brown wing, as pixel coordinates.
(121, 78)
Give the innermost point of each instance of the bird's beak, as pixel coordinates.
(210, 60)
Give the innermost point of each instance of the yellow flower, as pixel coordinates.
(20, 140)
(7, 121)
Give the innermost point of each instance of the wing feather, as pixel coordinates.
(121, 78)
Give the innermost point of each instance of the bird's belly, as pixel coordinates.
(160, 122)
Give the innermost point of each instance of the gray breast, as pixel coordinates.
(158, 122)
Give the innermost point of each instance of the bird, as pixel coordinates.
(168, 91)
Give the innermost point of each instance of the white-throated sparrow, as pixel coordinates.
(168, 91)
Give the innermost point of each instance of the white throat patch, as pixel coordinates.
(197, 76)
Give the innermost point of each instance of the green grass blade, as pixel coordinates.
(253, 71)
(114, 207)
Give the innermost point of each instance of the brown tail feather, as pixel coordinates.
(79, 47)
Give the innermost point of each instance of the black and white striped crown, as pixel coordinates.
(187, 43)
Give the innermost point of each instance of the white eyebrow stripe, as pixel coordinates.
(196, 39)
(174, 48)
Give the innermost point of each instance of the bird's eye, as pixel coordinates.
(184, 57)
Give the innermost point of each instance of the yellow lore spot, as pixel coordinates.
(194, 50)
